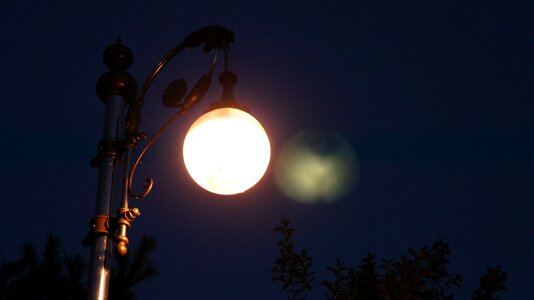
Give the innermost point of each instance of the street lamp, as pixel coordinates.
(226, 151)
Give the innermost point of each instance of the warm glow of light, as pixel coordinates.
(226, 151)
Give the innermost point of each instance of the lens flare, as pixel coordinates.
(316, 167)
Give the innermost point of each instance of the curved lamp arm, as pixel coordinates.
(213, 38)
(149, 182)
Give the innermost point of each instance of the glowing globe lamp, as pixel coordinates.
(226, 151)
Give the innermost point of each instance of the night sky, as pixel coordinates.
(435, 98)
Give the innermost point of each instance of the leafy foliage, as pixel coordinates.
(292, 268)
(492, 282)
(132, 269)
(419, 275)
(349, 283)
(51, 275)
(46, 276)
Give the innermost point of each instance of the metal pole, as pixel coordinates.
(100, 259)
(115, 88)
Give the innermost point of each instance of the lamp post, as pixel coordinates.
(226, 151)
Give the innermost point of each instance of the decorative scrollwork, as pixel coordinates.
(149, 183)
(213, 38)
(147, 186)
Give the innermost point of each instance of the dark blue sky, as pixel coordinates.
(434, 96)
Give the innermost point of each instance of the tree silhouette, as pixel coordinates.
(53, 275)
(420, 275)
(292, 268)
(132, 269)
(492, 282)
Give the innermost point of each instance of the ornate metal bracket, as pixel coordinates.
(123, 222)
(118, 82)
(98, 225)
(113, 227)
(106, 148)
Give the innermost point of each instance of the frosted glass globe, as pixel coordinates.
(226, 151)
